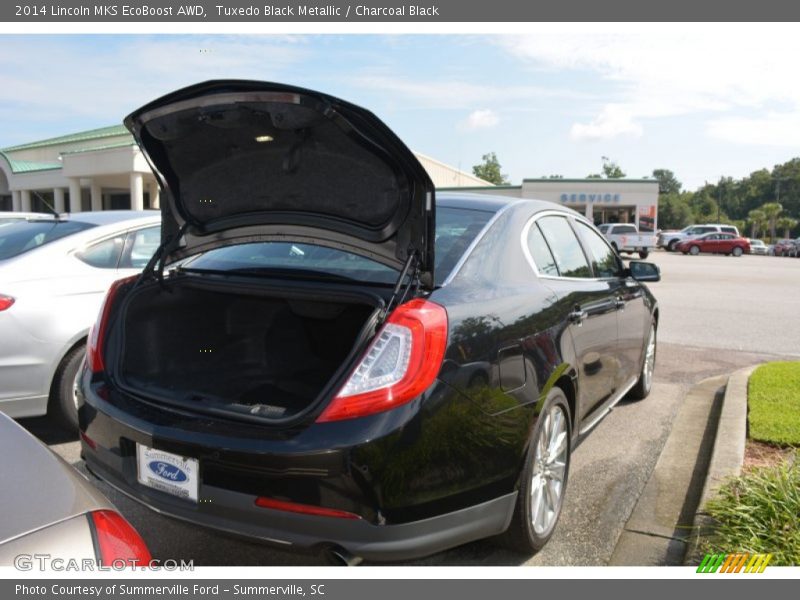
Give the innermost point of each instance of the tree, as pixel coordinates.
(674, 211)
(757, 219)
(772, 211)
(667, 182)
(489, 170)
(611, 169)
(787, 224)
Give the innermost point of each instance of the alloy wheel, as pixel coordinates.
(694, 250)
(549, 470)
(649, 359)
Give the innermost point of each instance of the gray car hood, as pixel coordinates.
(244, 161)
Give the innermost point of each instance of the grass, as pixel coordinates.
(774, 403)
(759, 512)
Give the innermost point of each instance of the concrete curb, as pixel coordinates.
(727, 457)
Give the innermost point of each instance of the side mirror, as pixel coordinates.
(644, 271)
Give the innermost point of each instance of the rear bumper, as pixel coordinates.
(338, 473)
(235, 513)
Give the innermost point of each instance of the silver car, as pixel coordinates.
(758, 247)
(49, 509)
(54, 273)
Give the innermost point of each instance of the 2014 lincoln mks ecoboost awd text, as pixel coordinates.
(321, 354)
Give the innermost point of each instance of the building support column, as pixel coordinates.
(58, 200)
(137, 191)
(16, 201)
(155, 195)
(75, 200)
(589, 212)
(26, 200)
(97, 196)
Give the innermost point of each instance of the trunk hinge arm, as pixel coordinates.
(400, 292)
(155, 265)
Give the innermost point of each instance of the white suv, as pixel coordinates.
(669, 239)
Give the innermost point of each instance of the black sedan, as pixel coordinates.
(324, 355)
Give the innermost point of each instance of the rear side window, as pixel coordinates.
(730, 230)
(540, 253)
(604, 260)
(103, 255)
(24, 236)
(623, 229)
(567, 251)
(143, 244)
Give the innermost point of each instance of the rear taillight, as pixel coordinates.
(117, 540)
(5, 302)
(401, 362)
(97, 335)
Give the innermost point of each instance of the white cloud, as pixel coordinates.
(672, 69)
(92, 80)
(774, 129)
(480, 119)
(613, 121)
(455, 94)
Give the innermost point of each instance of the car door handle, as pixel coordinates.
(577, 316)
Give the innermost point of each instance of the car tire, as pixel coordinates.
(63, 402)
(644, 254)
(641, 390)
(671, 245)
(694, 250)
(544, 475)
(737, 252)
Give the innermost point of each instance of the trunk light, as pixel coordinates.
(96, 343)
(117, 540)
(401, 362)
(89, 441)
(5, 302)
(304, 509)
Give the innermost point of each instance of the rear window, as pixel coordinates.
(456, 228)
(620, 229)
(731, 230)
(23, 236)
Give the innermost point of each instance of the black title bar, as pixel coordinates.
(398, 11)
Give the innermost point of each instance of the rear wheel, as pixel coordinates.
(694, 250)
(644, 253)
(671, 245)
(64, 391)
(544, 478)
(737, 251)
(642, 388)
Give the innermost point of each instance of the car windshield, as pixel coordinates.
(456, 228)
(22, 236)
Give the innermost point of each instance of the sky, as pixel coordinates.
(704, 101)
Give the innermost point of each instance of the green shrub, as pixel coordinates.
(759, 512)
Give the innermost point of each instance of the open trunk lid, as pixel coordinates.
(243, 161)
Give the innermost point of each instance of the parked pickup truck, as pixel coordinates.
(626, 238)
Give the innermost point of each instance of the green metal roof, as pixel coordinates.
(29, 166)
(81, 136)
(106, 147)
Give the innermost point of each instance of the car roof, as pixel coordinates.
(494, 203)
(107, 217)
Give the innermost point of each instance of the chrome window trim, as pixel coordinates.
(529, 258)
(474, 244)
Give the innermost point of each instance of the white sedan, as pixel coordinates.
(758, 247)
(54, 273)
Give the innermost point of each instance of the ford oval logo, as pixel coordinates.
(167, 471)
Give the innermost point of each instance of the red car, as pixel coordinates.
(716, 243)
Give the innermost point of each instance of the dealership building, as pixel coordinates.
(600, 200)
(103, 169)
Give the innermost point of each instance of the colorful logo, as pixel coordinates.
(167, 471)
(741, 562)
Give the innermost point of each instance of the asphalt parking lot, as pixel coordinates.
(718, 314)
